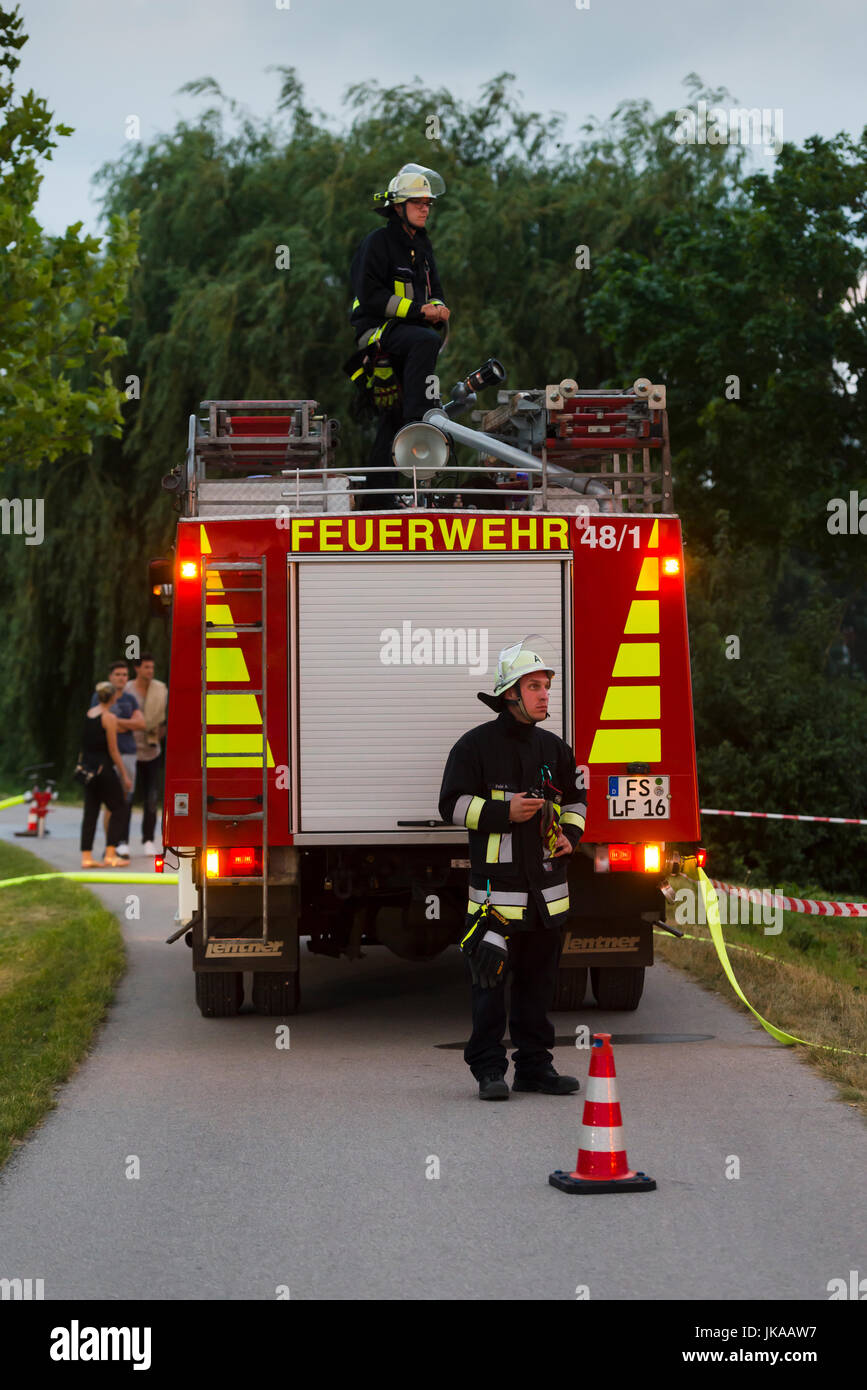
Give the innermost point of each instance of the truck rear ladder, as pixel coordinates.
(212, 565)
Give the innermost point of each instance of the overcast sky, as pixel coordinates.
(96, 62)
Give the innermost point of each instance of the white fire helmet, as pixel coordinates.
(519, 660)
(412, 181)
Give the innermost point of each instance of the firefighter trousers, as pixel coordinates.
(533, 959)
(414, 350)
(387, 426)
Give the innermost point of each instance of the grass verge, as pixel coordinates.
(809, 980)
(61, 955)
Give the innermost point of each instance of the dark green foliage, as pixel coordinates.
(699, 271)
(59, 295)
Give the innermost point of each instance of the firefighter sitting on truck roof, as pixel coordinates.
(512, 784)
(398, 301)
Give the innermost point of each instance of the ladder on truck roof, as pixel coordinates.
(212, 565)
(261, 458)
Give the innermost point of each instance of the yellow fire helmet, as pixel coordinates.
(412, 181)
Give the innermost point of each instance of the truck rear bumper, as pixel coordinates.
(611, 917)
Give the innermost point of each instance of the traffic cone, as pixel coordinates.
(602, 1164)
(31, 822)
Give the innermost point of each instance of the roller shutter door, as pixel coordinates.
(374, 734)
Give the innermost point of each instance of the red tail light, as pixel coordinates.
(243, 861)
(159, 863)
(701, 857)
(233, 863)
(643, 858)
(620, 856)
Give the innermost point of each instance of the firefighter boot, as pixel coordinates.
(493, 1087)
(547, 1081)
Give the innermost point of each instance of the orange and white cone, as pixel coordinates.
(602, 1164)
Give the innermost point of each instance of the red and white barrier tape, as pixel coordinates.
(711, 902)
(815, 909)
(775, 815)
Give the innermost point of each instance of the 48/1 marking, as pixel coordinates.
(608, 537)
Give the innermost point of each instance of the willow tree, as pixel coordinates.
(691, 269)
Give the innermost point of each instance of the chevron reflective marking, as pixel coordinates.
(626, 746)
(225, 663)
(220, 614)
(636, 659)
(237, 708)
(649, 576)
(230, 750)
(631, 702)
(643, 616)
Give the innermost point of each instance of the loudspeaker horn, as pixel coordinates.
(420, 449)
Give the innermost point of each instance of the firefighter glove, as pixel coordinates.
(386, 394)
(549, 828)
(486, 950)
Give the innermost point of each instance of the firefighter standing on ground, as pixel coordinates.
(397, 301)
(512, 784)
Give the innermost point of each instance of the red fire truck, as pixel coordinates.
(324, 659)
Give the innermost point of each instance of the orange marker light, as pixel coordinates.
(212, 863)
(652, 859)
(671, 566)
(189, 569)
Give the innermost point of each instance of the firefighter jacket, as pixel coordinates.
(484, 770)
(392, 275)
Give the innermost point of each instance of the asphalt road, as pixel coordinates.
(263, 1167)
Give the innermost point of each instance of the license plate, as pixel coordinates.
(639, 798)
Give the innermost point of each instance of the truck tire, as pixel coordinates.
(219, 993)
(275, 992)
(570, 989)
(617, 987)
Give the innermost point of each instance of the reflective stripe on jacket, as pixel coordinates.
(485, 769)
(392, 275)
